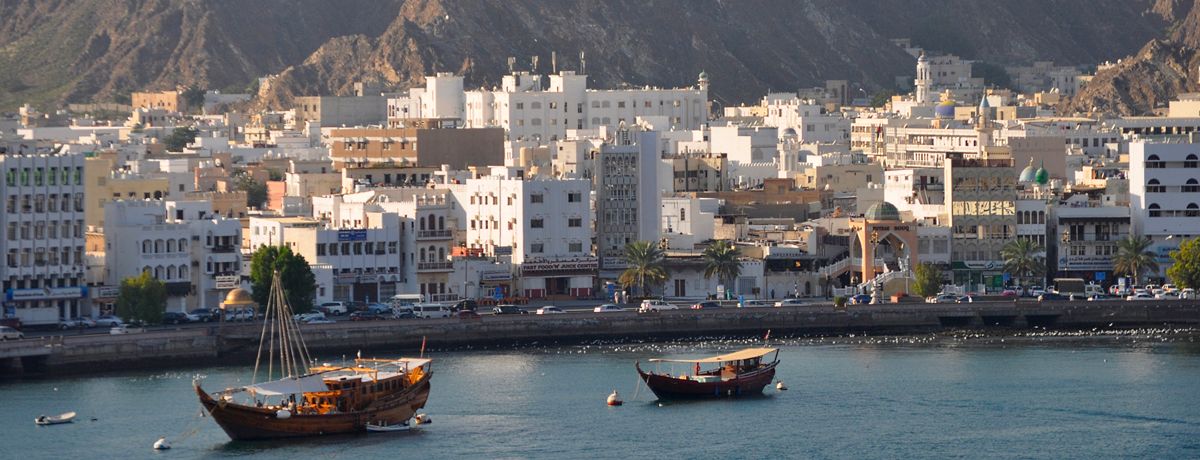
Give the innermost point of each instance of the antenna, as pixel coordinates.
(554, 62)
(582, 64)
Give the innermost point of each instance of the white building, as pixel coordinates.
(627, 196)
(1164, 194)
(43, 191)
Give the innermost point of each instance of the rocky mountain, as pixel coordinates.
(52, 51)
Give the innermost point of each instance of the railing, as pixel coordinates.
(224, 248)
(835, 268)
(433, 234)
(435, 266)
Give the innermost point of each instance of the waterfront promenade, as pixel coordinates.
(233, 343)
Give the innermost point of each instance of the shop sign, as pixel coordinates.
(45, 293)
(495, 276)
(573, 265)
(227, 281)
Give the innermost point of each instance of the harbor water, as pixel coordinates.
(1051, 395)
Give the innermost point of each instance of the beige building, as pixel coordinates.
(171, 101)
(102, 185)
(429, 145)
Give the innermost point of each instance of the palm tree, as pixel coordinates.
(645, 265)
(1134, 258)
(721, 259)
(1022, 260)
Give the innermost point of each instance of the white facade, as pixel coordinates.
(627, 195)
(1164, 194)
(43, 275)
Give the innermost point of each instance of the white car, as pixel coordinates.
(334, 308)
(1140, 296)
(1167, 295)
(943, 298)
(1169, 288)
(649, 305)
(310, 317)
(790, 303)
(1187, 294)
(8, 333)
(608, 308)
(549, 310)
(757, 304)
(109, 321)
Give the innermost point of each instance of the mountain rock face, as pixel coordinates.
(53, 51)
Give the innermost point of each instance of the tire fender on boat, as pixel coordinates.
(283, 414)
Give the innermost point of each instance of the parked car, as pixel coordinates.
(466, 314)
(123, 329)
(650, 305)
(67, 323)
(1008, 293)
(1035, 291)
(403, 314)
(1140, 296)
(608, 308)
(706, 305)
(431, 310)
(965, 299)
(8, 333)
(204, 315)
(791, 303)
(943, 298)
(309, 317)
(239, 314)
(508, 310)
(465, 304)
(1051, 296)
(860, 299)
(1167, 295)
(334, 308)
(1187, 294)
(109, 321)
(379, 308)
(321, 321)
(1169, 288)
(549, 310)
(1101, 298)
(174, 317)
(365, 315)
(757, 303)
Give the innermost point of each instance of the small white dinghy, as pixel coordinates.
(381, 428)
(55, 419)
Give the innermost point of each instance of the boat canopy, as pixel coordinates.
(291, 385)
(749, 353)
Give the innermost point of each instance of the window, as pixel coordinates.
(1154, 210)
(1192, 210)
(1153, 162)
(621, 104)
(536, 198)
(536, 223)
(575, 222)
(575, 247)
(1191, 161)
(536, 248)
(520, 106)
(1191, 187)
(320, 249)
(1153, 187)
(574, 197)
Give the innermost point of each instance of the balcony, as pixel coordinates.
(224, 248)
(434, 234)
(435, 266)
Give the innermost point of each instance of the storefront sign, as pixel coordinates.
(1089, 263)
(495, 276)
(46, 293)
(352, 235)
(106, 292)
(574, 265)
(227, 281)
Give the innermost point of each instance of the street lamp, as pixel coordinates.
(876, 295)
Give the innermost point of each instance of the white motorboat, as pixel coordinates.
(55, 419)
(381, 428)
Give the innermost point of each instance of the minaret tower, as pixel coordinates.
(924, 82)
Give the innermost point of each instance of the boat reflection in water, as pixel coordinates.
(740, 373)
(318, 400)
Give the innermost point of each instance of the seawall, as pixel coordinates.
(238, 343)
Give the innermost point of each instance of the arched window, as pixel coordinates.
(183, 245)
(170, 245)
(1192, 210)
(422, 220)
(147, 246)
(1153, 162)
(441, 254)
(422, 254)
(158, 246)
(441, 222)
(1191, 161)
(682, 214)
(1192, 186)
(147, 269)
(183, 272)
(170, 272)
(158, 272)
(1154, 210)
(1152, 186)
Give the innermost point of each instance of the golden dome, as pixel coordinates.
(237, 297)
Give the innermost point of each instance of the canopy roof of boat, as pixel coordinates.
(290, 385)
(749, 353)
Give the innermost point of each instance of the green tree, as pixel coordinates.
(194, 98)
(142, 298)
(645, 266)
(927, 280)
(256, 192)
(180, 138)
(882, 97)
(1134, 258)
(721, 259)
(1021, 259)
(299, 284)
(1185, 264)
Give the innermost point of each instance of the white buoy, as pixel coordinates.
(162, 444)
(614, 399)
(780, 386)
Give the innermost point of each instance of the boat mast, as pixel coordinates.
(280, 327)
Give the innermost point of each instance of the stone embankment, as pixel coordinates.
(230, 343)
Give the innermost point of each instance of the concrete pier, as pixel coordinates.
(233, 343)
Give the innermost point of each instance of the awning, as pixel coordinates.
(749, 353)
(290, 385)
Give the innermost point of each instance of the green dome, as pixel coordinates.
(882, 211)
(1041, 176)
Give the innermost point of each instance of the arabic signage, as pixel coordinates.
(227, 281)
(106, 292)
(46, 293)
(352, 235)
(1089, 263)
(495, 276)
(573, 265)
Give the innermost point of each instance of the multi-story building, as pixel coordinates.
(43, 218)
(1164, 193)
(427, 142)
(627, 196)
(543, 226)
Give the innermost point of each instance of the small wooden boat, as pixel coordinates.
(55, 419)
(385, 428)
(739, 373)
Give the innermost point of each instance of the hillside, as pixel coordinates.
(53, 51)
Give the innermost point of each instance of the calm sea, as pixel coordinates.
(1113, 395)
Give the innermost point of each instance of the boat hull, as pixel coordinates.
(247, 423)
(669, 387)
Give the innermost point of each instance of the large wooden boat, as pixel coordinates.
(298, 400)
(740, 373)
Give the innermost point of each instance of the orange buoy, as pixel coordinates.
(614, 399)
